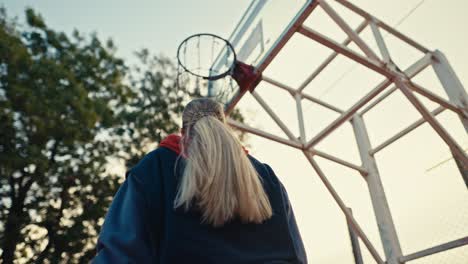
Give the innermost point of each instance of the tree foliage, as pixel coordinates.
(70, 110)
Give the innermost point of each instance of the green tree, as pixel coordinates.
(65, 110)
(57, 102)
(154, 110)
(70, 110)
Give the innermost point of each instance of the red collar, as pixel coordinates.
(172, 142)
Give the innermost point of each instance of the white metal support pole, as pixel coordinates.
(274, 116)
(344, 209)
(410, 72)
(383, 216)
(330, 58)
(384, 26)
(452, 85)
(354, 243)
(435, 98)
(380, 42)
(456, 93)
(329, 157)
(305, 96)
(405, 131)
(457, 151)
(348, 30)
(300, 117)
(348, 114)
(338, 47)
(261, 133)
(436, 249)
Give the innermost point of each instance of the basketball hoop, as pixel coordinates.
(212, 64)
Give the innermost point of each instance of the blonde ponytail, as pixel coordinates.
(219, 179)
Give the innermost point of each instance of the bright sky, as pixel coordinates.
(428, 204)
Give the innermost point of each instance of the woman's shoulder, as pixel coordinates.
(152, 162)
(264, 170)
(259, 164)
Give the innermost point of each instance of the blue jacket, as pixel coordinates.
(141, 225)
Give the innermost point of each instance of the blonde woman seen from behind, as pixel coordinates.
(200, 198)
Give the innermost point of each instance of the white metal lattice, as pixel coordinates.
(395, 79)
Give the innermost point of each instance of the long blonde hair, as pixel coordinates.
(218, 179)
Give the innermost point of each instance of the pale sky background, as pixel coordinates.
(429, 205)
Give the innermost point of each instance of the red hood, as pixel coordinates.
(172, 142)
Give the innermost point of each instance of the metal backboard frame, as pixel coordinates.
(246, 39)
